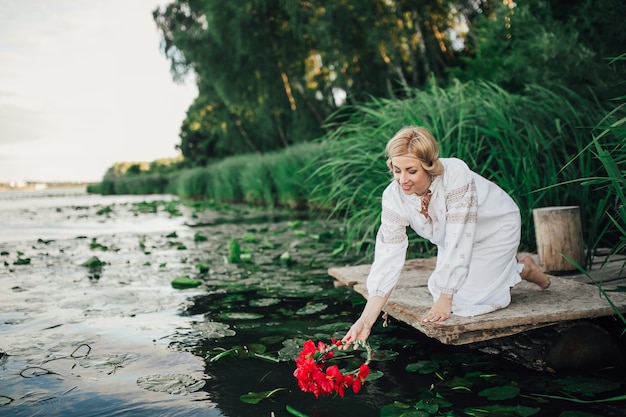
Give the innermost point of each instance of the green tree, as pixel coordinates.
(270, 72)
(550, 43)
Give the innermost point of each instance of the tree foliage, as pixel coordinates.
(271, 72)
(555, 43)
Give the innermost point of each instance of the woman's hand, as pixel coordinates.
(358, 331)
(361, 328)
(440, 311)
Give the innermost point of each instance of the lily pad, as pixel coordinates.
(505, 392)
(241, 352)
(291, 349)
(423, 367)
(93, 263)
(264, 302)
(213, 330)
(586, 385)
(183, 282)
(290, 289)
(501, 410)
(22, 261)
(257, 397)
(110, 363)
(312, 309)
(179, 384)
(234, 315)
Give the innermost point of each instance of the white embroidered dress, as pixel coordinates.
(476, 228)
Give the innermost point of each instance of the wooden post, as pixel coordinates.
(558, 232)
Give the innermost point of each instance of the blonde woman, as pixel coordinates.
(473, 222)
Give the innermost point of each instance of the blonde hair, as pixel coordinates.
(417, 142)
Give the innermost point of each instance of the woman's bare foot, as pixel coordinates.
(532, 273)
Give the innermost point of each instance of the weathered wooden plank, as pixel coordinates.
(530, 308)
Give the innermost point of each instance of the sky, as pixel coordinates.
(83, 85)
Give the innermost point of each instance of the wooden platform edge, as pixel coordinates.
(567, 299)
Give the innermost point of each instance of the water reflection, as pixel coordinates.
(144, 335)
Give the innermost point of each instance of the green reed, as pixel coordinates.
(138, 184)
(523, 142)
(536, 145)
(270, 180)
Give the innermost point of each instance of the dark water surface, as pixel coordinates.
(120, 340)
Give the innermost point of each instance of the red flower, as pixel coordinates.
(364, 371)
(312, 377)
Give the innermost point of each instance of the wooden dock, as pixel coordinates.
(570, 297)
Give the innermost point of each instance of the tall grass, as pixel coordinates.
(609, 148)
(537, 146)
(134, 184)
(270, 180)
(523, 142)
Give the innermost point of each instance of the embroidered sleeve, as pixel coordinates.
(389, 253)
(461, 219)
(392, 227)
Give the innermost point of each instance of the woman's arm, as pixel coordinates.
(362, 328)
(454, 254)
(389, 257)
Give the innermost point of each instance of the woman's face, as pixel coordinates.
(410, 175)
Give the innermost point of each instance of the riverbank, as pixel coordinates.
(40, 185)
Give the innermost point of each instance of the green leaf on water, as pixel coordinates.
(180, 384)
(267, 244)
(253, 350)
(337, 326)
(199, 237)
(295, 412)
(505, 392)
(93, 263)
(104, 210)
(291, 349)
(240, 315)
(213, 330)
(234, 252)
(257, 397)
(396, 409)
(250, 238)
(374, 375)
(312, 309)
(586, 385)
(427, 407)
(264, 302)
(501, 411)
(184, 281)
(423, 367)
(294, 224)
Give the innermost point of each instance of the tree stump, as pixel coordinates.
(558, 232)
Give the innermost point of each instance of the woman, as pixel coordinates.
(474, 224)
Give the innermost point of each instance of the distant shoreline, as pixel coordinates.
(39, 185)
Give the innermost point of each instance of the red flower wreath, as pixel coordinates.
(312, 377)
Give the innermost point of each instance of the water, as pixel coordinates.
(121, 340)
(67, 213)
